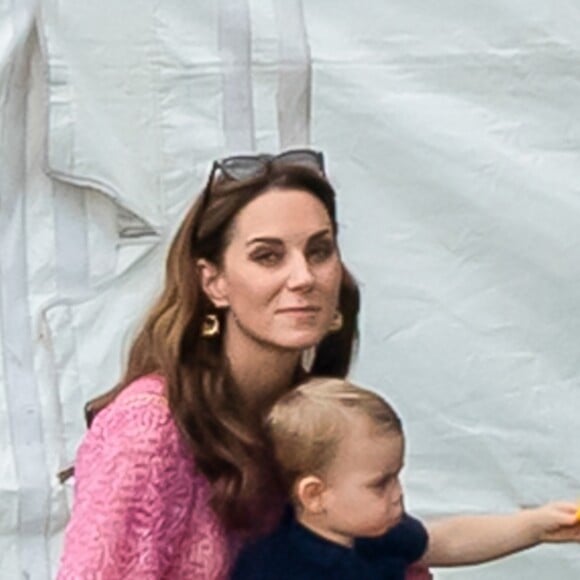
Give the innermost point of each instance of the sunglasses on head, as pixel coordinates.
(240, 167)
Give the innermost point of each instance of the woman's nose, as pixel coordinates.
(300, 276)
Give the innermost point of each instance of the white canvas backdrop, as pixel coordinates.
(450, 131)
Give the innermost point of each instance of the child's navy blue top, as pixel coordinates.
(293, 552)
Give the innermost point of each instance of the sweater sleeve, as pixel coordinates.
(133, 495)
(407, 541)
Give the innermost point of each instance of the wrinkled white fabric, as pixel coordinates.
(450, 131)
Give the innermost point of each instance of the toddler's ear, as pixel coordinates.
(310, 493)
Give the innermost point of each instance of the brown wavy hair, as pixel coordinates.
(230, 448)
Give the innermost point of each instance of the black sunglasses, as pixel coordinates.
(241, 167)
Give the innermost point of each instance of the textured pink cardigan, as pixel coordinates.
(141, 511)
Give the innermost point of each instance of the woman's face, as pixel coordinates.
(281, 271)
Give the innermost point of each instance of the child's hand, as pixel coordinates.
(557, 522)
(466, 540)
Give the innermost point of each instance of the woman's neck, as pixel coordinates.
(261, 372)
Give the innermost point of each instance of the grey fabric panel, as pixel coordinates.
(235, 51)
(72, 256)
(294, 74)
(24, 414)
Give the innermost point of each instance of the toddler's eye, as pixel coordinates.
(383, 483)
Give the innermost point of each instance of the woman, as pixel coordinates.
(175, 471)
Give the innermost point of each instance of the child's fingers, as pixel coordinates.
(564, 534)
(569, 508)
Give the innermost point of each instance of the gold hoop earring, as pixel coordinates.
(337, 322)
(210, 326)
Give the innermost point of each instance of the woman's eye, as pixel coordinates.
(321, 253)
(267, 258)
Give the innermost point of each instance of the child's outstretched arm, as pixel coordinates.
(464, 540)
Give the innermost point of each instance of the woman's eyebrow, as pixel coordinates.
(278, 241)
(265, 240)
(320, 234)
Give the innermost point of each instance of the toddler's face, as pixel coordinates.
(364, 497)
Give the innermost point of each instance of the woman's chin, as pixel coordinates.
(301, 340)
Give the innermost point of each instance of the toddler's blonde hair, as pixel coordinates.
(306, 424)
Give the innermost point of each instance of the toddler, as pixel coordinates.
(340, 449)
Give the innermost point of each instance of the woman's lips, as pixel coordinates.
(299, 310)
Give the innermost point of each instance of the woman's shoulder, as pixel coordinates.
(145, 388)
(146, 392)
(136, 432)
(140, 413)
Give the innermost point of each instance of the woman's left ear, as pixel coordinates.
(213, 283)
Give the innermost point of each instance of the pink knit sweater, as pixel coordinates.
(141, 510)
